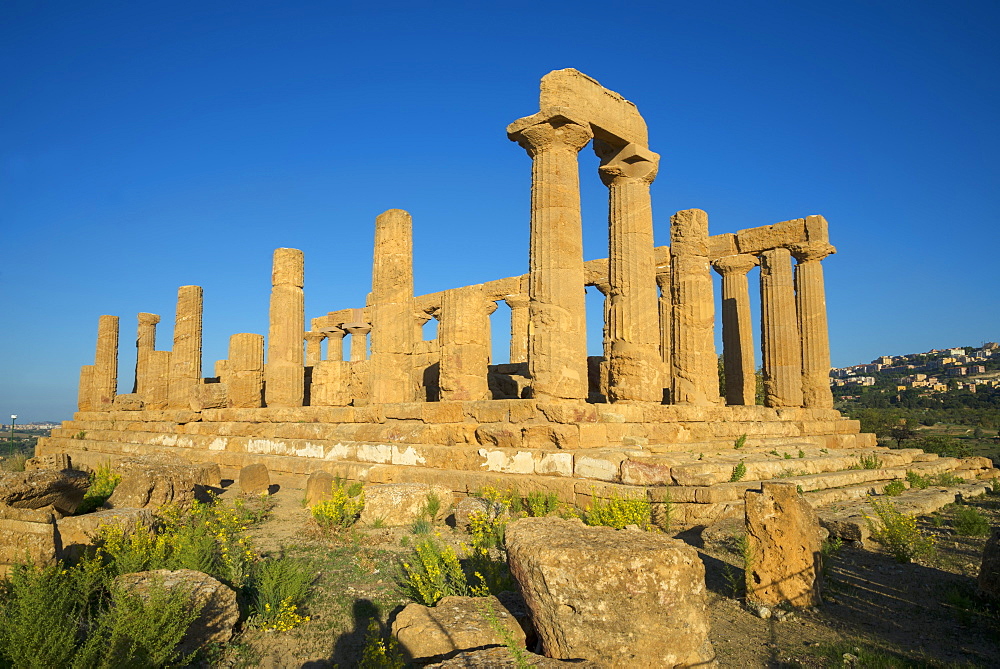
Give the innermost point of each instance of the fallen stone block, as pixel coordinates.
(398, 504)
(319, 487)
(622, 598)
(454, 624)
(27, 535)
(151, 484)
(77, 533)
(57, 461)
(254, 479)
(39, 488)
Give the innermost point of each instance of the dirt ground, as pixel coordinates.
(876, 613)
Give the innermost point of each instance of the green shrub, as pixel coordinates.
(917, 481)
(277, 588)
(894, 489)
(741, 441)
(869, 462)
(802, 453)
(541, 503)
(342, 509)
(739, 471)
(898, 531)
(946, 479)
(970, 522)
(432, 507)
(618, 512)
(946, 446)
(421, 526)
(433, 572)
(381, 651)
(103, 482)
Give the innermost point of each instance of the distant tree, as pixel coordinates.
(901, 433)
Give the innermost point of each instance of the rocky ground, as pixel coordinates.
(877, 612)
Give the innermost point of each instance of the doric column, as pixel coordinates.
(605, 367)
(392, 309)
(635, 369)
(664, 303)
(557, 334)
(334, 343)
(737, 329)
(105, 379)
(157, 393)
(694, 366)
(518, 327)
(810, 298)
(465, 344)
(185, 358)
(245, 371)
(284, 373)
(781, 354)
(85, 394)
(145, 344)
(314, 347)
(359, 340)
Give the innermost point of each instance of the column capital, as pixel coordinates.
(604, 287)
(806, 251)
(518, 301)
(491, 307)
(663, 281)
(543, 132)
(357, 328)
(148, 319)
(631, 161)
(741, 263)
(333, 331)
(314, 336)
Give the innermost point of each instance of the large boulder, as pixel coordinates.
(319, 487)
(63, 490)
(989, 571)
(149, 483)
(27, 535)
(784, 540)
(428, 633)
(217, 602)
(77, 533)
(397, 504)
(623, 598)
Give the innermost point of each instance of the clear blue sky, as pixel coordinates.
(148, 145)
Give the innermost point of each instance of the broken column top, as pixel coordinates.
(612, 118)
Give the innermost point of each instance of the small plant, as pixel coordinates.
(831, 547)
(774, 452)
(421, 526)
(970, 522)
(788, 456)
(433, 506)
(824, 451)
(894, 489)
(733, 582)
(542, 504)
(739, 471)
(342, 509)
(79, 435)
(946, 479)
(103, 482)
(433, 572)
(741, 441)
(917, 481)
(799, 490)
(517, 652)
(701, 456)
(869, 462)
(618, 512)
(381, 651)
(802, 454)
(277, 588)
(898, 531)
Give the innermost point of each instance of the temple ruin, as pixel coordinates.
(646, 417)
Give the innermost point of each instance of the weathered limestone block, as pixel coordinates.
(127, 402)
(612, 114)
(254, 479)
(319, 487)
(468, 507)
(465, 342)
(26, 535)
(989, 570)
(147, 483)
(625, 598)
(784, 539)
(245, 371)
(216, 601)
(185, 358)
(285, 373)
(453, 624)
(76, 533)
(398, 504)
(105, 374)
(64, 490)
(209, 396)
(57, 461)
(393, 331)
(694, 366)
(156, 395)
(557, 342)
(634, 362)
(781, 352)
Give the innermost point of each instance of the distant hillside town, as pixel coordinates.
(936, 371)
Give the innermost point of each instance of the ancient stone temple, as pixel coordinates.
(645, 418)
